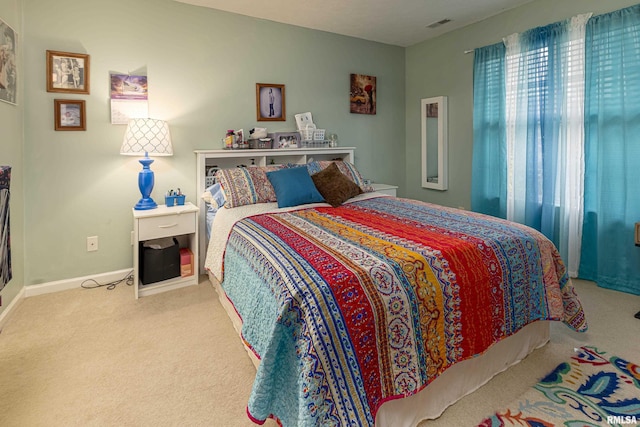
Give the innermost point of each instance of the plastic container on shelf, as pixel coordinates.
(262, 143)
(306, 133)
(230, 139)
(177, 200)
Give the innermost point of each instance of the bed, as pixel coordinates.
(378, 310)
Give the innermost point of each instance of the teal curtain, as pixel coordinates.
(489, 169)
(612, 151)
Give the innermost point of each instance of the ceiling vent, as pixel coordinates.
(438, 23)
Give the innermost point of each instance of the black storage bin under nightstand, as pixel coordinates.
(157, 265)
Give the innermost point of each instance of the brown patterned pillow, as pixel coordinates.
(348, 169)
(334, 186)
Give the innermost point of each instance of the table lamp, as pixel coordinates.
(146, 137)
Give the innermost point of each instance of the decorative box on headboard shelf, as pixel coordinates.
(209, 161)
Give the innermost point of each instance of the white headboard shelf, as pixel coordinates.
(223, 159)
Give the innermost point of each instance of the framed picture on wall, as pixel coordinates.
(270, 102)
(363, 94)
(69, 114)
(8, 70)
(67, 72)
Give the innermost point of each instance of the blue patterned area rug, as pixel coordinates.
(592, 390)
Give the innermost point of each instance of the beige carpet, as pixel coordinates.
(100, 358)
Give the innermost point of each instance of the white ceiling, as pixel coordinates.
(395, 22)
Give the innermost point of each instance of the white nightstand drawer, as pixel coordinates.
(166, 226)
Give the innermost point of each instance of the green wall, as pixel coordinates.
(202, 67)
(440, 67)
(11, 154)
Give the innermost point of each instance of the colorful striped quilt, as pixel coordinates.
(352, 306)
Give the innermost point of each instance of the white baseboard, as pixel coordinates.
(76, 282)
(57, 286)
(12, 306)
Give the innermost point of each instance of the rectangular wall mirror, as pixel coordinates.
(434, 142)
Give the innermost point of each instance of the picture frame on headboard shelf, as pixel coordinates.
(285, 139)
(270, 102)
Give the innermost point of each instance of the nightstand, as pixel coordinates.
(385, 188)
(179, 222)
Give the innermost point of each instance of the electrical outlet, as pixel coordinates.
(92, 243)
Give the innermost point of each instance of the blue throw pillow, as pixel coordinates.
(294, 187)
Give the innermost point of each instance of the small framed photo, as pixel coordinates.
(67, 72)
(69, 114)
(270, 102)
(285, 139)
